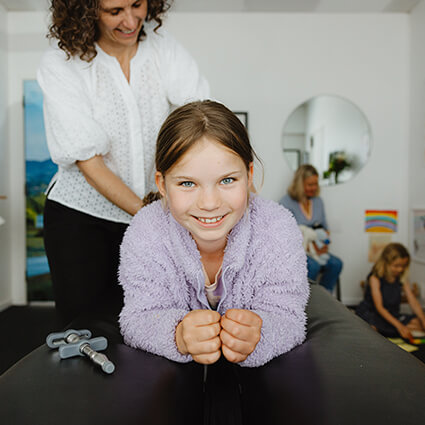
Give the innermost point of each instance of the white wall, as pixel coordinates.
(26, 42)
(268, 64)
(5, 257)
(417, 126)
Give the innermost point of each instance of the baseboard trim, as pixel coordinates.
(41, 303)
(351, 301)
(4, 305)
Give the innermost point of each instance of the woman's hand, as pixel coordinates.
(241, 331)
(414, 303)
(323, 250)
(320, 251)
(109, 184)
(404, 332)
(198, 334)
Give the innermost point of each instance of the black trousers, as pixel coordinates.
(83, 255)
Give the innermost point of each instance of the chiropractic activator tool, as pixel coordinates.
(73, 343)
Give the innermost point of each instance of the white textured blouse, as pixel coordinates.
(91, 109)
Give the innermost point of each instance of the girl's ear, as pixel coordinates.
(160, 183)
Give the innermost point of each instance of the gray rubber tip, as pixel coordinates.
(108, 367)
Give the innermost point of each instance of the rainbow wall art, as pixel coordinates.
(381, 221)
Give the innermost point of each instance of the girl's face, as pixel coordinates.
(120, 21)
(311, 184)
(398, 266)
(207, 192)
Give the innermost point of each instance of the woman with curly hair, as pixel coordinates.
(109, 79)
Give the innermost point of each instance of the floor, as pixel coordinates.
(22, 329)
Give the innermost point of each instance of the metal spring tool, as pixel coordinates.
(73, 343)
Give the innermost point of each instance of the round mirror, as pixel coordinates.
(330, 133)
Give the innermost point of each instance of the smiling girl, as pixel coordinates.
(211, 269)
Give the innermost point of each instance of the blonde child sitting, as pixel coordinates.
(381, 304)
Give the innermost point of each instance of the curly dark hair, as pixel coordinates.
(74, 24)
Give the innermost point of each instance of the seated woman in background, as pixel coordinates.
(303, 201)
(381, 304)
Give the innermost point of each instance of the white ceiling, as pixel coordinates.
(24, 5)
(300, 6)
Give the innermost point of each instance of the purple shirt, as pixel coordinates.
(214, 291)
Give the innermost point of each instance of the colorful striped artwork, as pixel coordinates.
(381, 221)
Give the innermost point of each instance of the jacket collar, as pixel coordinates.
(188, 256)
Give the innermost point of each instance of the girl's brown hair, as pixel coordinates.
(74, 24)
(296, 188)
(186, 125)
(391, 252)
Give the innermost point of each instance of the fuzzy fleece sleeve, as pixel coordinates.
(281, 298)
(151, 309)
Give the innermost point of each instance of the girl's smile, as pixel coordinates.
(211, 222)
(207, 192)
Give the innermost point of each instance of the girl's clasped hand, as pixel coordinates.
(205, 335)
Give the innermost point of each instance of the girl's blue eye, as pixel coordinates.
(137, 4)
(228, 180)
(187, 184)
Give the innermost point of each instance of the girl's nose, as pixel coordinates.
(209, 199)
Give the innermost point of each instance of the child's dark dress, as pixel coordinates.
(391, 299)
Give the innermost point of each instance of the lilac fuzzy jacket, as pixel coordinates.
(264, 270)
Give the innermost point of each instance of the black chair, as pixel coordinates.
(337, 287)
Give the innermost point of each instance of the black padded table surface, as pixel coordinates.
(344, 374)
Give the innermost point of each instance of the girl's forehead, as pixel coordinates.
(400, 261)
(207, 147)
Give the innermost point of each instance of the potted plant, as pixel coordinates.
(338, 162)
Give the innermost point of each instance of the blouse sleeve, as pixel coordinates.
(285, 201)
(180, 72)
(323, 221)
(290, 205)
(71, 131)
